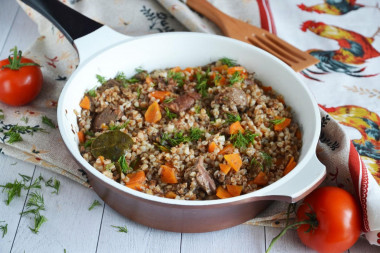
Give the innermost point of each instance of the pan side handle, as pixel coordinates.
(86, 35)
(303, 183)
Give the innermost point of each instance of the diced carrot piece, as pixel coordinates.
(236, 128)
(239, 69)
(176, 69)
(234, 190)
(170, 195)
(168, 175)
(220, 69)
(218, 79)
(136, 177)
(234, 160)
(290, 166)
(160, 94)
(104, 126)
(101, 158)
(225, 168)
(267, 88)
(85, 103)
(227, 150)
(298, 134)
(148, 80)
(282, 125)
(81, 137)
(222, 193)
(261, 179)
(153, 114)
(212, 146)
(188, 70)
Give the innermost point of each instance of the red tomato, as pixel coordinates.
(20, 81)
(339, 220)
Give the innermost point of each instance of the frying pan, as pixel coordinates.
(105, 52)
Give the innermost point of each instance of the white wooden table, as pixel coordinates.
(72, 227)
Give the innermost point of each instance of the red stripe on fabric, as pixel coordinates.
(266, 17)
(359, 174)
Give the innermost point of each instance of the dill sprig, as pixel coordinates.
(124, 165)
(277, 121)
(2, 116)
(13, 190)
(53, 183)
(38, 221)
(94, 204)
(236, 78)
(173, 139)
(118, 127)
(267, 159)
(169, 100)
(170, 114)
(4, 228)
(121, 229)
(13, 137)
(101, 79)
(241, 140)
(92, 92)
(48, 122)
(201, 85)
(195, 134)
(25, 178)
(139, 70)
(176, 76)
(227, 61)
(138, 92)
(232, 118)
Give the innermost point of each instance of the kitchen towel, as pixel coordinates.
(346, 83)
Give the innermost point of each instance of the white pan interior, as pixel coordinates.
(187, 50)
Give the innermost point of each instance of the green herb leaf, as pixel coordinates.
(227, 61)
(123, 164)
(173, 139)
(277, 121)
(197, 109)
(138, 92)
(176, 76)
(101, 79)
(25, 178)
(170, 114)
(13, 137)
(169, 100)
(121, 229)
(53, 184)
(38, 221)
(35, 185)
(240, 140)
(48, 122)
(201, 85)
(267, 159)
(25, 119)
(118, 127)
(92, 92)
(4, 229)
(13, 190)
(232, 118)
(236, 78)
(140, 69)
(1, 114)
(94, 204)
(195, 134)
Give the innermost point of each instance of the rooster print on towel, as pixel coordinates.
(334, 7)
(368, 124)
(354, 49)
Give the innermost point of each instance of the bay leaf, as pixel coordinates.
(111, 145)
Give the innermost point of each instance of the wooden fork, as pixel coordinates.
(234, 28)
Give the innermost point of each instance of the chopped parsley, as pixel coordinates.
(241, 140)
(48, 121)
(94, 204)
(227, 61)
(124, 165)
(232, 118)
(170, 114)
(121, 229)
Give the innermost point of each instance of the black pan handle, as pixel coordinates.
(71, 23)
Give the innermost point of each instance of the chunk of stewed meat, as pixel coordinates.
(203, 178)
(232, 96)
(105, 117)
(184, 102)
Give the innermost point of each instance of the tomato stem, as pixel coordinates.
(15, 61)
(296, 224)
